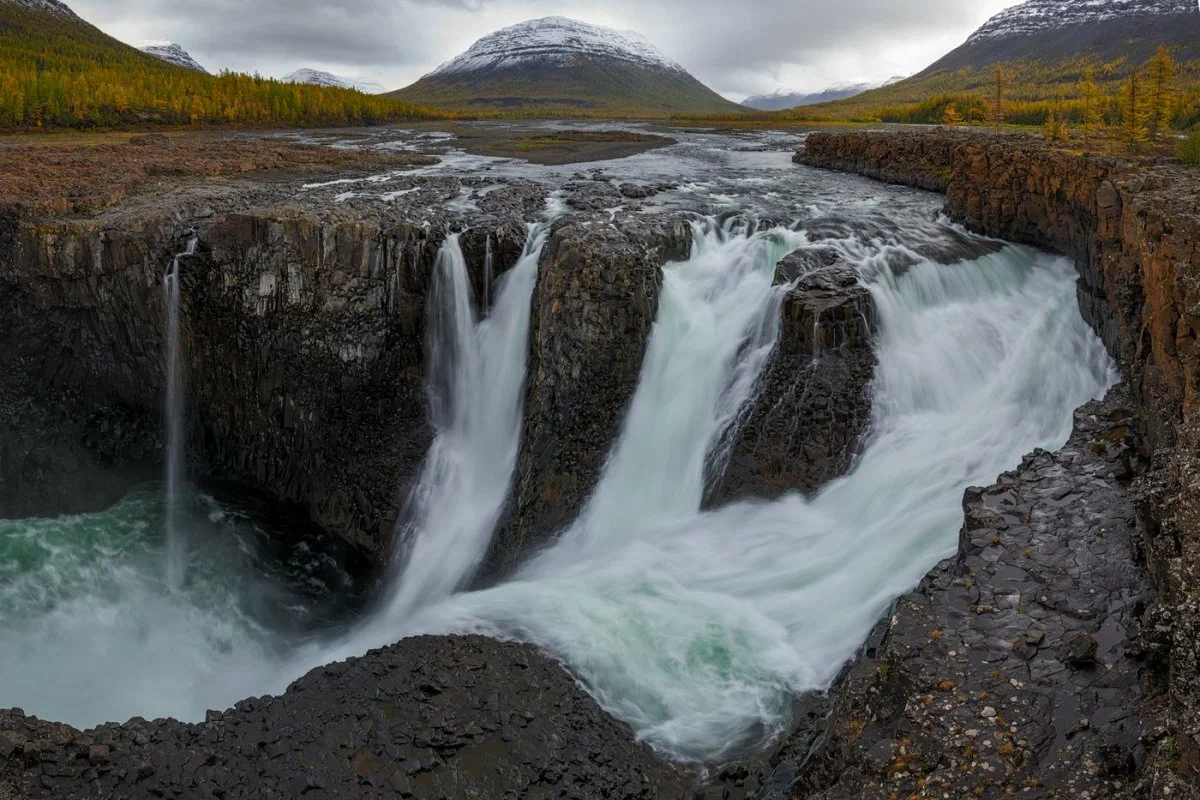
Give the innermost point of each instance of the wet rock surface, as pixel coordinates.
(1133, 229)
(594, 306)
(814, 406)
(1015, 668)
(426, 718)
(302, 331)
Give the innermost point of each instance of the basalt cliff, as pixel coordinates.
(304, 337)
(1133, 230)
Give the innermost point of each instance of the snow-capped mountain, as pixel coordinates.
(319, 78)
(560, 41)
(171, 53)
(53, 6)
(783, 99)
(1041, 15)
(557, 64)
(1051, 31)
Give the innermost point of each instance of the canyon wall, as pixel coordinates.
(303, 343)
(1133, 230)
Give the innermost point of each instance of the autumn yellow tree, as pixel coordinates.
(1091, 116)
(1162, 72)
(951, 116)
(1001, 78)
(1135, 111)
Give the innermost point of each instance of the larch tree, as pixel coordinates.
(1135, 111)
(1162, 71)
(1002, 77)
(1092, 115)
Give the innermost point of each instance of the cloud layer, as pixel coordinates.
(738, 49)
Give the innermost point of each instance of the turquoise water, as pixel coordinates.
(91, 632)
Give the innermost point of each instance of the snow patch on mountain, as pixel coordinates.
(1036, 16)
(171, 53)
(319, 78)
(53, 6)
(557, 41)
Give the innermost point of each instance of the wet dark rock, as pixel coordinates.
(638, 191)
(955, 697)
(1133, 230)
(594, 195)
(444, 717)
(594, 306)
(814, 404)
(302, 335)
(1079, 650)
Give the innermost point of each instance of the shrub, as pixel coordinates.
(1189, 149)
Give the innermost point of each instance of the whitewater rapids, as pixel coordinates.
(697, 628)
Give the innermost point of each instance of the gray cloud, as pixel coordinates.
(737, 48)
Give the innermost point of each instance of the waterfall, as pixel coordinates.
(698, 628)
(476, 392)
(717, 324)
(489, 271)
(173, 414)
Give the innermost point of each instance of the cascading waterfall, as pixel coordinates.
(696, 628)
(173, 414)
(699, 628)
(717, 324)
(477, 380)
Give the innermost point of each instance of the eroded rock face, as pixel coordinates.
(594, 306)
(1134, 232)
(302, 332)
(966, 686)
(814, 404)
(425, 718)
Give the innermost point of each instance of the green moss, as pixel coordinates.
(1188, 149)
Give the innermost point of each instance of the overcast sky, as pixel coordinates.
(738, 48)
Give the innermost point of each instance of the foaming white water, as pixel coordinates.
(477, 378)
(176, 546)
(91, 633)
(717, 324)
(699, 628)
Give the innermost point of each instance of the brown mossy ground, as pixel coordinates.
(81, 173)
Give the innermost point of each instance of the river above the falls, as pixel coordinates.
(695, 626)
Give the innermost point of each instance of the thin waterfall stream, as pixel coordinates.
(173, 414)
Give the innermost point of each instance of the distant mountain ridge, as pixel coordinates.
(171, 53)
(319, 78)
(1035, 16)
(1055, 30)
(555, 63)
(781, 100)
(53, 6)
(1047, 46)
(559, 41)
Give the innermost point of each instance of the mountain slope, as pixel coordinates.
(1047, 46)
(1056, 30)
(557, 64)
(316, 77)
(49, 6)
(171, 53)
(57, 71)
